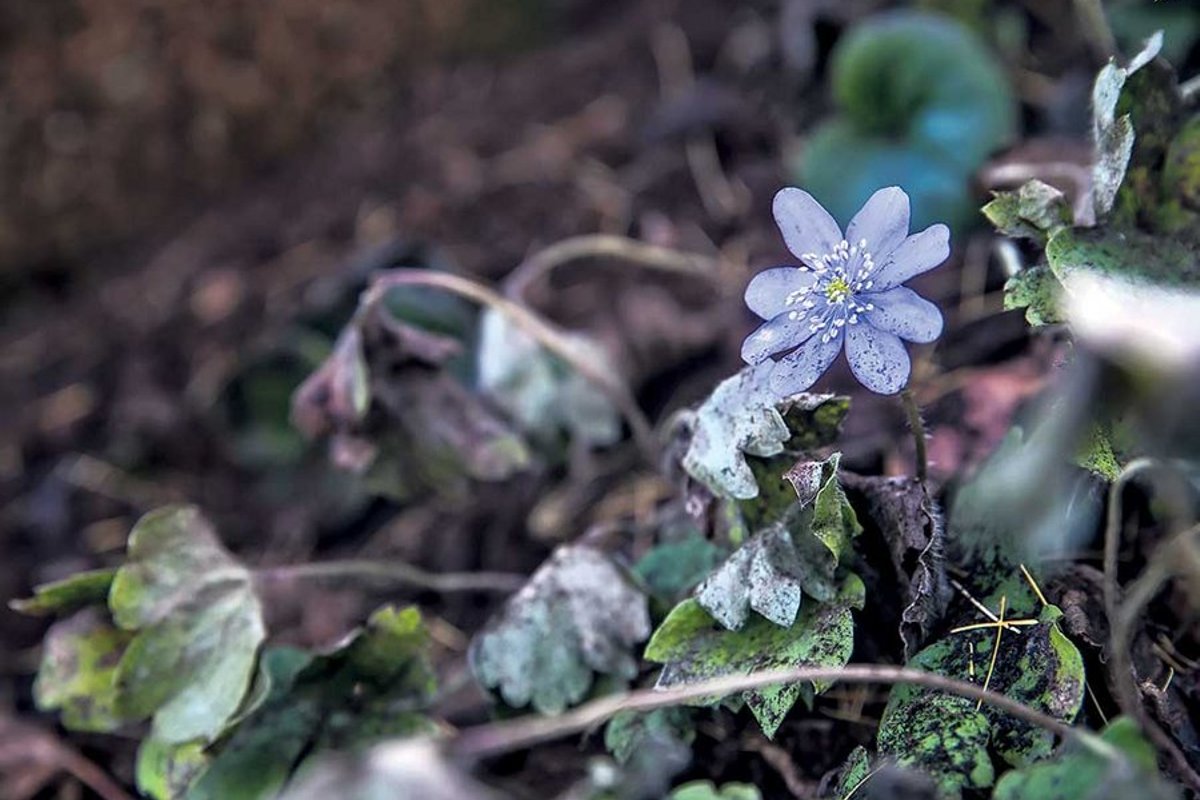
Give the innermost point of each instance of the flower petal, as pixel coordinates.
(767, 292)
(877, 358)
(773, 337)
(797, 371)
(905, 313)
(805, 225)
(882, 221)
(918, 253)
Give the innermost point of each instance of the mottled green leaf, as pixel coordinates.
(372, 686)
(1096, 454)
(198, 624)
(947, 737)
(79, 590)
(1036, 290)
(1033, 211)
(630, 731)
(1133, 255)
(941, 735)
(1080, 773)
(77, 676)
(854, 772)
(577, 615)
(705, 790)
(544, 394)
(692, 647)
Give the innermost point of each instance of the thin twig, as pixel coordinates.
(396, 572)
(546, 333)
(502, 737)
(917, 426)
(602, 245)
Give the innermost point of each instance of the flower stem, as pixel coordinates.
(917, 426)
(395, 572)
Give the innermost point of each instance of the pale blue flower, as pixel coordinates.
(846, 291)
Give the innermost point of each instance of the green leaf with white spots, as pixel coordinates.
(1080, 773)
(692, 648)
(1128, 254)
(77, 676)
(198, 626)
(578, 615)
(374, 685)
(796, 555)
(69, 594)
(1036, 290)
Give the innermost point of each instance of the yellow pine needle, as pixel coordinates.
(1033, 585)
(995, 649)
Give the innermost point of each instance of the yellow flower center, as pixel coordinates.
(837, 289)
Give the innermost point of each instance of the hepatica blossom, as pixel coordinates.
(846, 292)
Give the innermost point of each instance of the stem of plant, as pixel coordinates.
(917, 426)
(543, 331)
(502, 737)
(396, 572)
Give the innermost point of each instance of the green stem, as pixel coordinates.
(917, 426)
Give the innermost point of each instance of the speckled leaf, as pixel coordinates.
(411, 769)
(706, 790)
(198, 624)
(738, 418)
(630, 731)
(60, 597)
(1033, 211)
(1039, 667)
(1096, 454)
(372, 686)
(78, 672)
(854, 771)
(1114, 135)
(1078, 773)
(1036, 290)
(692, 648)
(542, 393)
(796, 554)
(577, 615)
(1128, 254)
(941, 735)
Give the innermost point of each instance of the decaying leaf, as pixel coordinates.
(394, 411)
(577, 615)
(77, 676)
(798, 554)
(373, 685)
(1036, 290)
(692, 648)
(630, 730)
(543, 394)
(1078, 773)
(166, 771)
(911, 525)
(198, 626)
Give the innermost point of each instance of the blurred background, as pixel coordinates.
(193, 194)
